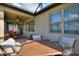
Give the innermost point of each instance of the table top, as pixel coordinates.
(37, 48)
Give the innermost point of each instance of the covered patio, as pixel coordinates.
(37, 26)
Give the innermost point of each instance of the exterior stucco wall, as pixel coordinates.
(1, 26)
(42, 27)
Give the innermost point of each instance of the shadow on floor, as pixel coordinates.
(21, 39)
(74, 54)
(50, 44)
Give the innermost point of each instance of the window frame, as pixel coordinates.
(29, 25)
(69, 32)
(58, 24)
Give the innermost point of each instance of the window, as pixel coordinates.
(71, 19)
(13, 27)
(30, 26)
(55, 22)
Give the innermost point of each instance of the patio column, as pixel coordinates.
(1, 26)
(62, 24)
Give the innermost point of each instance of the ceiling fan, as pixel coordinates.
(19, 20)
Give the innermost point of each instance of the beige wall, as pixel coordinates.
(1, 26)
(42, 26)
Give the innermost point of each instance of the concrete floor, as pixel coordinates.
(22, 39)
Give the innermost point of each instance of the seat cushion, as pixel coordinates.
(17, 47)
(36, 37)
(7, 45)
(67, 42)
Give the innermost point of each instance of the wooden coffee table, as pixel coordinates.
(39, 48)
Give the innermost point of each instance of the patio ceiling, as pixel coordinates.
(31, 8)
(14, 18)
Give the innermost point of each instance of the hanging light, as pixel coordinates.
(17, 18)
